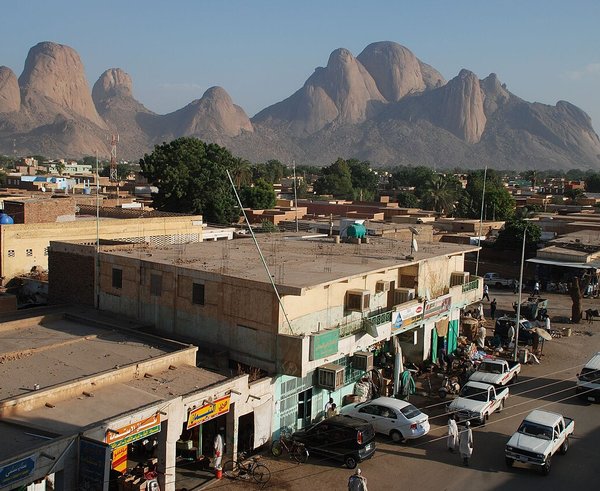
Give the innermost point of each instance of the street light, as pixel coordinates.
(518, 323)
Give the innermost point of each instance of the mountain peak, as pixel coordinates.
(114, 82)
(10, 96)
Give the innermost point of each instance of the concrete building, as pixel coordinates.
(80, 389)
(338, 302)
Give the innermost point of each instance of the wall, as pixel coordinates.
(71, 279)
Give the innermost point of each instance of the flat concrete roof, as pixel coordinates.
(56, 350)
(22, 439)
(293, 262)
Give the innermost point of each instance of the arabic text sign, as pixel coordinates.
(407, 316)
(438, 306)
(17, 470)
(134, 431)
(208, 412)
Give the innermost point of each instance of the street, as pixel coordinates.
(427, 464)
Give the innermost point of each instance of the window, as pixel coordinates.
(198, 293)
(11, 253)
(117, 278)
(29, 252)
(155, 285)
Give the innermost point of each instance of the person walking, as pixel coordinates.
(328, 405)
(452, 440)
(218, 448)
(511, 336)
(481, 335)
(493, 306)
(536, 288)
(466, 443)
(357, 482)
(486, 293)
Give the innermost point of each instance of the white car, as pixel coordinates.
(394, 417)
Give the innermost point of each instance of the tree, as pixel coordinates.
(241, 172)
(191, 178)
(573, 194)
(60, 168)
(364, 180)
(404, 176)
(511, 236)
(336, 180)
(271, 171)
(258, 197)
(592, 183)
(439, 194)
(407, 199)
(499, 204)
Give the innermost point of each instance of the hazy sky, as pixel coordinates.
(261, 51)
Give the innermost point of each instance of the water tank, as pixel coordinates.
(5, 219)
(357, 230)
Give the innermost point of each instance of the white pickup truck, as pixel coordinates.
(539, 437)
(477, 401)
(494, 279)
(496, 371)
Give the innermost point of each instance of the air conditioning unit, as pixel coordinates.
(358, 300)
(459, 278)
(362, 360)
(330, 376)
(403, 295)
(382, 286)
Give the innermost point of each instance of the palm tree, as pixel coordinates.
(438, 195)
(241, 172)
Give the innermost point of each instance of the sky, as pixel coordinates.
(262, 51)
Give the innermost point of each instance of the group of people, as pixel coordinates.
(331, 408)
(460, 440)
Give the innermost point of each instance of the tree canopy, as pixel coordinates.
(191, 178)
(260, 196)
(336, 180)
(592, 183)
(511, 236)
(498, 205)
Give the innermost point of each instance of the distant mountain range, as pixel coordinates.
(385, 106)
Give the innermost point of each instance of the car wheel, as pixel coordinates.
(564, 447)
(509, 461)
(546, 467)
(350, 462)
(396, 436)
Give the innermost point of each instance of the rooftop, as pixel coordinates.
(293, 261)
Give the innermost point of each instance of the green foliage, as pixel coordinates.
(268, 227)
(364, 180)
(404, 176)
(6, 161)
(440, 193)
(499, 204)
(573, 194)
(592, 183)
(123, 171)
(241, 172)
(258, 197)
(511, 236)
(271, 171)
(191, 178)
(407, 199)
(336, 180)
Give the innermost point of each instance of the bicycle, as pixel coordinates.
(245, 469)
(296, 450)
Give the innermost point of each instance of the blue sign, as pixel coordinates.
(16, 471)
(94, 465)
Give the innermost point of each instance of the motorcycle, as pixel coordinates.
(450, 385)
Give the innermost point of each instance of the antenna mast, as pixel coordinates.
(113, 158)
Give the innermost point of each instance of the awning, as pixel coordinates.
(592, 265)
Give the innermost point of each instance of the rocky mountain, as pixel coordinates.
(384, 105)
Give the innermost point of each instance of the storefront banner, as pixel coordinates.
(324, 344)
(17, 470)
(208, 412)
(407, 317)
(440, 305)
(134, 431)
(94, 465)
(119, 459)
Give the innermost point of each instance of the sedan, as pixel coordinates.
(393, 417)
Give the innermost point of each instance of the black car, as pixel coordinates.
(344, 438)
(526, 331)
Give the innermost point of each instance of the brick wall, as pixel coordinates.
(39, 210)
(70, 278)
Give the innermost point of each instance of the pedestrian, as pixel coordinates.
(328, 405)
(218, 448)
(466, 443)
(452, 440)
(548, 323)
(536, 288)
(493, 309)
(486, 292)
(481, 336)
(511, 335)
(357, 482)
(515, 287)
(480, 315)
(332, 411)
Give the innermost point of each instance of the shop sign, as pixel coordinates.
(17, 470)
(134, 431)
(94, 465)
(119, 459)
(208, 411)
(440, 305)
(407, 317)
(324, 344)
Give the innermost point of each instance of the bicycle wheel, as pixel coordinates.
(231, 469)
(261, 474)
(300, 453)
(277, 448)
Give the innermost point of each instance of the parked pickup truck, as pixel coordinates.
(497, 372)
(477, 401)
(494, 279)
(539, 437)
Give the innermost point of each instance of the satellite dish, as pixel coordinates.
(413, 230)
(414, 245)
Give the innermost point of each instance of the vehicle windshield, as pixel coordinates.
(474, 393)
(490, 367)
(410, 411)
(590, 375)
(533, 429)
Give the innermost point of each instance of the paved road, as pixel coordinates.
(427, 465)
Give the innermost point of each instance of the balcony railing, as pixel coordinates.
(361, 325)
(471, 285)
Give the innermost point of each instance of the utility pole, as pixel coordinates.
(114, 175)
(518, 322)
(295, 194)
(480, 221)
